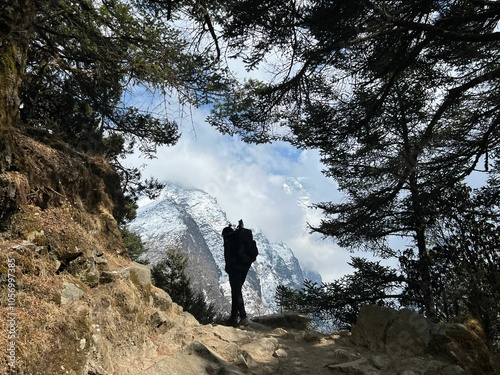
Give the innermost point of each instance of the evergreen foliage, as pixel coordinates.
(84, 56)
(170, 275)
(336, 305)
(465, 274)
(74, 66)
(133, 244)
(400, 97)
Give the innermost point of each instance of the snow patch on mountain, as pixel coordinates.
(297, 187)
(190, 220)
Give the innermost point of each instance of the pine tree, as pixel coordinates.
(69, 69)
(170, 275)
(399, 97)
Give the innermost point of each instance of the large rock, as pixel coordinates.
(288, 320)
(370, 328)
(398, 333)
(404, 342)
(140, 275)
(70, 293)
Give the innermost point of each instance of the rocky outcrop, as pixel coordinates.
(404, 342)
(383, 342)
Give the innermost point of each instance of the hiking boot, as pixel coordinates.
(231, 322)
(244, 321)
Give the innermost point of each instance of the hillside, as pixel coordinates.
(73, 303)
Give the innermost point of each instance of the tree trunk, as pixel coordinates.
(16, 19)
(424, 267)
(425, 276)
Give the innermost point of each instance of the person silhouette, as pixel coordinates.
(237, 269)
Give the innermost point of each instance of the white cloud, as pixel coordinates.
(247, 179)
(247, 182)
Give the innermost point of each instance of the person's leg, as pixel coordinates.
(234, 283)
(241, 303)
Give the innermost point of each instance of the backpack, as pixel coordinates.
(251, 250)
(247, 247)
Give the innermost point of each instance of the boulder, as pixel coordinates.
(140, 275)
(288, 320)
(161, 299)
(409, 334)
(405, 342)
(397, 333)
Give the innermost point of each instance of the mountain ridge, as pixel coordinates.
(189, 219)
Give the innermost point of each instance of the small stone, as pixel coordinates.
(157, 319)
(280, 353)
(380, 361)
(70, 293)
(83, 342)
(341, 355)
(100, 260)
(452, 370)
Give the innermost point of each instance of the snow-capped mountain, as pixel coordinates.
(190, 220)
(295, 187)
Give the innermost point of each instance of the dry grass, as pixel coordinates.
(36, 311)
(50, 335)
(59, 205)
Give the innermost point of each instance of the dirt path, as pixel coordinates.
(256, 350)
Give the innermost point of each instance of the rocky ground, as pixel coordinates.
(73, 303)
(384, 341)
(124, 325)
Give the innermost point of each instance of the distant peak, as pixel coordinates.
(293, 185)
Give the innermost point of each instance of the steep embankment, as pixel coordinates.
(72, 303)
(58, 242)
